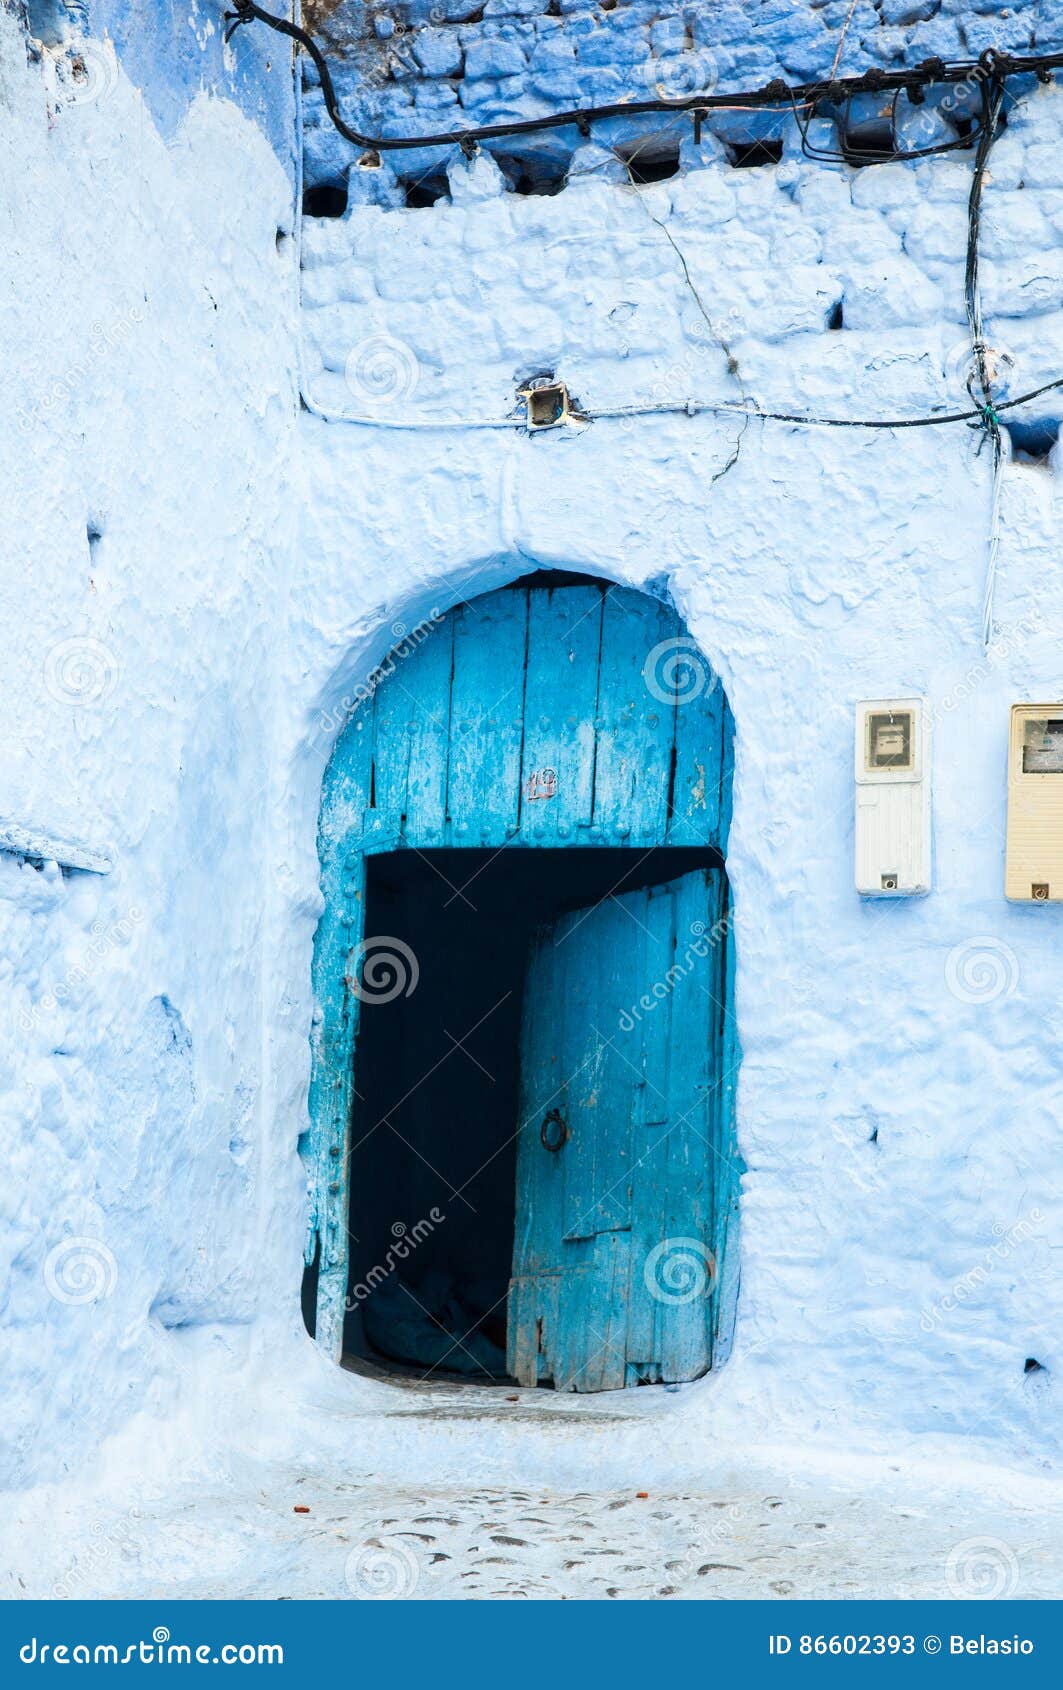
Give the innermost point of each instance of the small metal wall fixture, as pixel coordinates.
(892, 798)
(554, 1132)
(547, 405)
(45, 847)
(1034, 861)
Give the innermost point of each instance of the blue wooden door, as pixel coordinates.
(580, 715)
(625, 1085)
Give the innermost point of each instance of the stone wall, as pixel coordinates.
(425, 65)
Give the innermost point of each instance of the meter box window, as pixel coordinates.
(889, 740)
(1034, 867)
(892, 798)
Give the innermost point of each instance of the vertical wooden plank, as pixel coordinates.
(651, 1017)
(635, 721)
(681, 1280)
(424, 680)
(411, 735)
(532, 1305)
(588, 1353)
(606, 1079)
(729, 1165)
(533, 1327)
(345, 799)
(331, 1098)
(590, 1349)
(487, 719)
(345, 788)
(560, 699)
(699, 721)
(390, 770)
(653, 1008)
(727, 759)
(546, 1076)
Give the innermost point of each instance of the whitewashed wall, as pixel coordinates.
(899, 1115)
(148, 404)
(901, 1096)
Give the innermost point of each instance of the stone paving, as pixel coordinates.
(295, 1535)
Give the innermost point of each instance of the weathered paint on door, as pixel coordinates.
(579, 715)
(621, 1146)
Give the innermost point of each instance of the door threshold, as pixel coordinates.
(450, 1397)
(411, 1377)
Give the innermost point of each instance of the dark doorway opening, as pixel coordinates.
(437, 1090)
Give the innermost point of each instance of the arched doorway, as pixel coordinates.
(521, 1153)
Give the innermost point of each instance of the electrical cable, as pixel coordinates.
(992, 101)
(990, 71)
(992, 66)
(873, 155)
(773, 94)
(689, 408)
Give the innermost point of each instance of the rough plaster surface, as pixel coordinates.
(901, 1076)
(412, 66)
(148, 403)
(227, 578)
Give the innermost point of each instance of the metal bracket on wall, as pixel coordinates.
(28, 842)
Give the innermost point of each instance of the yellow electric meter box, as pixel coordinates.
(892, 798)
(1034, 867)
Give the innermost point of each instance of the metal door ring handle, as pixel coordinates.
(554, 1131)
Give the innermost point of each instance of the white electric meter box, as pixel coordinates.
(892, 798)
(1034, 864)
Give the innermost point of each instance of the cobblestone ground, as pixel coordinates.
(298, 1536)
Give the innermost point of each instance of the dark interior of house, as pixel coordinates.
(436, 1110)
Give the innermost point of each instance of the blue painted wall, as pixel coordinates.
(414, 65)
(172, 52)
